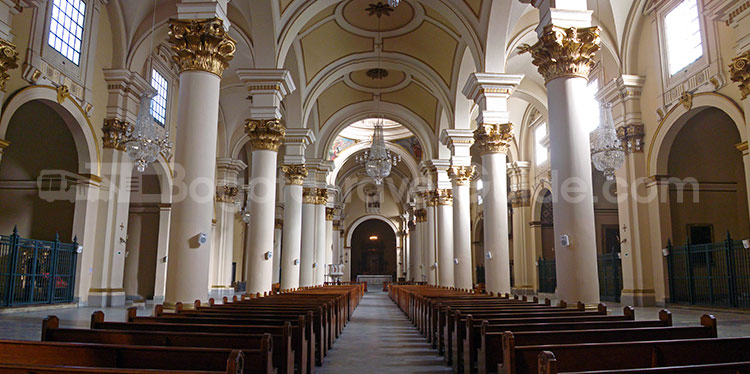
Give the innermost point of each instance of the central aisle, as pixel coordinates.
(380, 339)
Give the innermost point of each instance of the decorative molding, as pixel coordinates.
(564, 52)
(742, 147)
(631, 137)
(739, 71)
(265, 135)
(520, 198)
(493, 138)
(314, 195)
(3, 145)
(8, 61)
(330, 212)
(431, 198)
(420, 215)
(114, 133)
(201, 44)
(63, 92)
(227, 194)
(278, 224)
(686, 99)
(445, 196)
(461, 175)
(295, 173)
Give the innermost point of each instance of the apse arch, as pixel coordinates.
(667, 130)
(360, 220)
(75, 118)
(406, 158)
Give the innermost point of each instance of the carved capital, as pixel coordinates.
(520, 198)
(8, 61)
(461, 175)
(201, 44)
(445, 196)
(330, 213)
(493, 138)
(631, 137)
(431, 198)
(739, 71)
(265, 135)
(295, 173)
(226, 194)
(278, 224)
(114, 133)
(564, 52)
(420, 215)
(314, 195)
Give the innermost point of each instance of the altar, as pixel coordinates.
(374, 279)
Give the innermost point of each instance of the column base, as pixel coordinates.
(217, 292)
(523, 290)
(638, 297)
(106, 297)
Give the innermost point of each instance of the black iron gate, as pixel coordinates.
(710, 274)
(36, 271)
(610, 276)
(547, 275)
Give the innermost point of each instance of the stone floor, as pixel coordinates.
(380, 339)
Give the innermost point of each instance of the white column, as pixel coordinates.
(446, 276)
(84, 229)
(195, 152)
(278, 232)
(290, 261)
(570, 156)
(329, 242)
(461, 176)
(162, 252)
(415, 253)
(265, 137)
(431, 234)
(307, 256)
(226, 197)
(320, 241)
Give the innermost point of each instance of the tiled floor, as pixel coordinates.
(380, 339)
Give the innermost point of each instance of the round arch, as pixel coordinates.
(341, 160)
(84, 135)
(675, 120)
(360, 220)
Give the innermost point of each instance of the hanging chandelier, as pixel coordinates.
(143, 144)
(394, 3)
(378, 160)
(607, 153)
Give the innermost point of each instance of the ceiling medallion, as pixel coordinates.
(380, 9)
(377, 73)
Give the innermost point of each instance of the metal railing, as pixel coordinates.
(709, 274)
(36, 271)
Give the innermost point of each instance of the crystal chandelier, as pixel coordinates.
(378, 161)
(143, 144)
(394, 3)
(606, 149)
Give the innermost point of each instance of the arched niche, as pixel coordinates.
(373, 244)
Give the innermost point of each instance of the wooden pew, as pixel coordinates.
(595, 352)
(283, 355)
(303, 361)
(548, 365)
(133, 357)
(44, 369)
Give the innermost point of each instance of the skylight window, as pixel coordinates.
(66, 28)
(159, 102)
(683, 36)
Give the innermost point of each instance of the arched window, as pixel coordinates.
(66, 28)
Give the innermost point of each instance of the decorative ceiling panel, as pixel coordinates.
(328, 43)
(417, 99)
(336, 97)
(429, 44)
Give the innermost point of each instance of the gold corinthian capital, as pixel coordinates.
(114, 133)
(8, 61)
(266, 134)
(739, 71)
(295, 173)
(201, 44)
(461, 175)
(493, 138)
(564, 52)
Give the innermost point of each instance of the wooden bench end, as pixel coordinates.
(547, 363)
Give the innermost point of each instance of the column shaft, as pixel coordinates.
(262, 205)
(277, 240)
(462, 236)
(195, 152)
(160, 284)
(429, 256)
(445, 244)
(320, 244)
(328, 248)
(290, 272)
(307, 257)
(496, 245)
